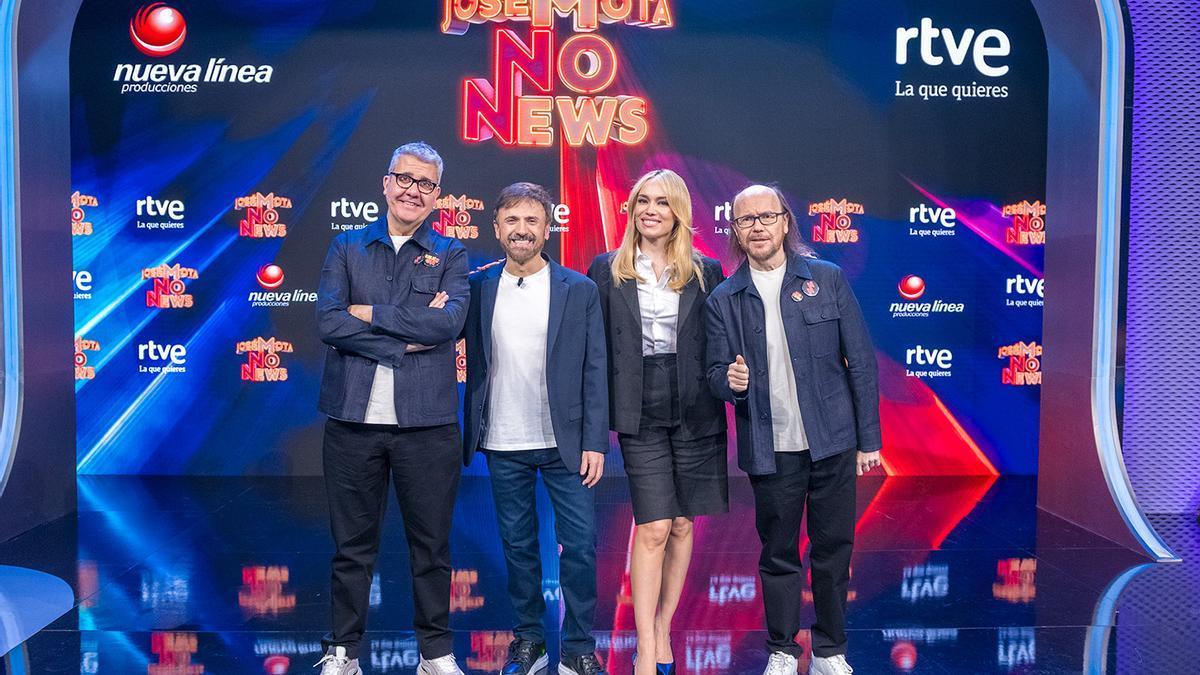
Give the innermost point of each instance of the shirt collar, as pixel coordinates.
(422, 236)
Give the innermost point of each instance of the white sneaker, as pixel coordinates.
(781, 663)
(443, 665)
(830, 665)
(337, 663)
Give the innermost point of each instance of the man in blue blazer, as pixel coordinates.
(788, 347)
(537, 401)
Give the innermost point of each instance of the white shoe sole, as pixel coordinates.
(540, 666)
(422, 670)
(563, 670)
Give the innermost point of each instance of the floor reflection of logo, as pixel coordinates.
(489, 649)
(263, 593)
(270, 276)
(462, 583)
(904, 656)
(157, 30)
(276, 665)
(1016, 580)
(174, 652)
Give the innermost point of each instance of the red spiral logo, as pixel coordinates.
(157, 30)
(270, 276)
(911, 287)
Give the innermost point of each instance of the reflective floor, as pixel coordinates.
(950, 575)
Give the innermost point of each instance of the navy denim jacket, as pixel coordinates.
(837, 380)
(363, 268)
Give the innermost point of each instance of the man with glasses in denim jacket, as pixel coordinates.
(392, 301)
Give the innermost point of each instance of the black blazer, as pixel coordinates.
(701, 413)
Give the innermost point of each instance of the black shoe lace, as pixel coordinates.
(521, 651)
(589, 665)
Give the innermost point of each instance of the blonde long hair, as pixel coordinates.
(681, 256)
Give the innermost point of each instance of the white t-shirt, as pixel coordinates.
(381, 406)
(660, 308)
(518, 400)
(787, 425)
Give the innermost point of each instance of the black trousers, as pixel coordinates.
(425, 464)
(827, 487)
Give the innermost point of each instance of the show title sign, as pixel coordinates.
(585, 64)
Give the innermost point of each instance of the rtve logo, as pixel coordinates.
(929, 356)
(153, 351)
(985, 48)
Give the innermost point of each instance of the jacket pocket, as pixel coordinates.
(426, 283)
(823, 324)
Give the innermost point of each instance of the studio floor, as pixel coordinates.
(175, 576)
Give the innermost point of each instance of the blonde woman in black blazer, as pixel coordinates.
(671, 429)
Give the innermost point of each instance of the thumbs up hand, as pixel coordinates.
(739, 375)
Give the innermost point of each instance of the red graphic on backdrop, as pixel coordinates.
(1024, 367)
(912, 287)
(263, 363)
(79, 226)
(586, 64)
(168, 289)
(262, 215)
(82, 370)
(1028, 223)
(454, 216)
(834, 224)
(157, 30)
(269, 276)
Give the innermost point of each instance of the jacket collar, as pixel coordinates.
(797, 266)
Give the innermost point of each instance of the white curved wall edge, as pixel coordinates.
(1114, 42)
(10, 245)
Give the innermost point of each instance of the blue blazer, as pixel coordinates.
(576, 363)
(837, 379)
(362, 268)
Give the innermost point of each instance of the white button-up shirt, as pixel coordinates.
(659, 305)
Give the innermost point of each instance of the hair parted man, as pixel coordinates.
(788, 347)
(537, 402)
(391, 304)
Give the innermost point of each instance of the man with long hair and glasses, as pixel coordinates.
(671, 428)
(392, 301)
(788, 347)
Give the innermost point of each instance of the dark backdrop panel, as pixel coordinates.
(809, 95)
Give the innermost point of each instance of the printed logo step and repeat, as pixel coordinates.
(218, 150)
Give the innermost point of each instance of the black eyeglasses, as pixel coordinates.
(767, 218)
(405, 181)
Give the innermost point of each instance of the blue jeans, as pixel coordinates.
(514, 479)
